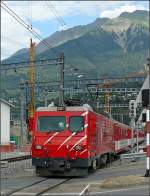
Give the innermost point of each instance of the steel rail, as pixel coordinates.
(24, 187)
(36, 183)
(19, 158)
(53, 186)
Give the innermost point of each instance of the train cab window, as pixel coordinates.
(51, 123)
(76, 123)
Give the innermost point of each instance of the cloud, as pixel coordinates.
(13, 35)
(117, 11)
(63, 28)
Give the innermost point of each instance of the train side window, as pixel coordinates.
(76, 123)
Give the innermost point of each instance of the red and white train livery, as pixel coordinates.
(69, 140)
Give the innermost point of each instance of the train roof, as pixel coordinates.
(85, 107)
(121, 124)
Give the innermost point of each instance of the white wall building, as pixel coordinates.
(5, 121)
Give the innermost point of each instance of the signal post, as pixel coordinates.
(146, 104)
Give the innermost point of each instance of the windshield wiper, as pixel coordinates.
(52, 131)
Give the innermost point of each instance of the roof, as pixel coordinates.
(68, 108)
(6, 102)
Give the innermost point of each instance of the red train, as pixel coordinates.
(69, 140)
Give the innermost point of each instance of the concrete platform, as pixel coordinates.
(6, 155)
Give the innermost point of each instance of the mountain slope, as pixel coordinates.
(110, 47)
(117, 25)
(99, 48)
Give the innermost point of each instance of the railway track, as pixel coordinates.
(37, 188)
(14, 159)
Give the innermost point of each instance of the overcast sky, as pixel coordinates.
(15, 37)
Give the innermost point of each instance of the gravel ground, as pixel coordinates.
(7, 155)
(17, 169)
(124, 181)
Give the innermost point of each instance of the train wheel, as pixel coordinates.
(98, 163)
(37, 170)
(103, 160)
(93, 166)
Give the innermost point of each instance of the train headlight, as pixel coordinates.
(38, 147)
(78, 147)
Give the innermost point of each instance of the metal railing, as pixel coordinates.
(133, 156)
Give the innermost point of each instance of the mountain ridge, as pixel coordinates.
(118, 25)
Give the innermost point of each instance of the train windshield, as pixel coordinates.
(51, 123)
(76, 123)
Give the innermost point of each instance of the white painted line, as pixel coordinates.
(147, 139)
(83, 151)
(84, 114)
(102, 192)
(147, 116)
(79, 142)
(68, 138)
(85, 189)
(51, 138)
(63, 194)
(86, 125)
(24, 193)
(147, 163)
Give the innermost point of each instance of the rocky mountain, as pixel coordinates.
(117, 25)
(105, 47)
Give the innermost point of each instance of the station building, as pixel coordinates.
(5, 108)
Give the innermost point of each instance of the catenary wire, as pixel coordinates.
(23, 23)
(62, 22)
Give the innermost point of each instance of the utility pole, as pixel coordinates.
(132, 128)
(71, 93)
(137, 137)
(148, 130)
(22, 110)
(46, 97)
(132, 115)
(31, 105)
(146, 104)
(61, 97)
(107, 99)
(45, 100)
(122, 118)
(32, 79)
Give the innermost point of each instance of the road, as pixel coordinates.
(134, 191)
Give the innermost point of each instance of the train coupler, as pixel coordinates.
(67, 165)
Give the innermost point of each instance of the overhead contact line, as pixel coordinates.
(25, 25)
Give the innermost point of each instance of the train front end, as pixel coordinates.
(59, 142)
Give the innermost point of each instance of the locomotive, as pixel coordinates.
(67, 141)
